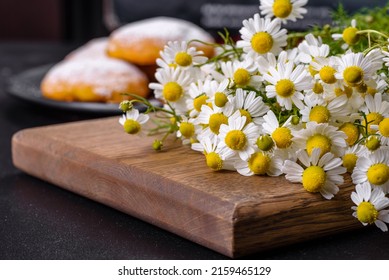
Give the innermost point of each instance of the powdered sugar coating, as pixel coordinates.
(105, 75)
(164, 28)
(95, 48)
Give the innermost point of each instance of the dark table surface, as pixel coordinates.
(41, 221)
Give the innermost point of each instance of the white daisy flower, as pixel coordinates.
(287, 84)
(374, 169)
(250, 105)
(349, 35)
(261, 36)
(350, 157)
(283, 9)
(179, 54)
(203, 92)
(320, 111)
(383, 131)
(240, 73)
(239, 137)
(355, 99)
(132, 121)
(311, 48)
(325, 69)
(213, 118)
(172, 87)
(317, 174)
(282, 135)
(370, 204)
(187, 130)
(375, 111)
(260, 163)
(355, 68)
(216, 157)
(323, 136)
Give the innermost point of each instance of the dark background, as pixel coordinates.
(77, 21)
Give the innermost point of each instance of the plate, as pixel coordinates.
(26, 86)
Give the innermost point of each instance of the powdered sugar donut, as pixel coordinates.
(140, 42)
(93, 80)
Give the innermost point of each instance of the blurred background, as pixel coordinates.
(77, 21)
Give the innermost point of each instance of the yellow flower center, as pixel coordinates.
(282, 8)
(314, 178)
(282, 136)
(172, 91)
(285, 88)
(351, 131)
(216, 120)
(318, 88)
(245, 113)
(183, 59)
(265, 143)
(259, 163)
(372, 91)
(199, 101)
(318, 141)
(350, 35)
(327, 74)
(372, 118)
(383, 127)
(220, 99)
(214, 161)
(131, 126)
(312, 70)
(353, 75)
(349, 161)
(366, 212)
(262, 42)
(187, 129)
(319, 114)
(372, 143)
(236, 140)
(378, 174)
(241, 77)
(348, 91)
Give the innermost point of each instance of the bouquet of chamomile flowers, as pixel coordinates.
(309, 107)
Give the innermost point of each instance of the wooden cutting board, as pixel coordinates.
(173, 189)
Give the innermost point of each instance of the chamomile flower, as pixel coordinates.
(187, 130)
(249, 105)
(239, 137)
(287, 83)
(132, 121)
(281, 135)
(203, 92)
(172, 87)
(283, 9)
(350, 35)
(240, 73)
(350, 157)
(383, 131)
(179, 54)
(374, 169)
(355, 68)
(260, 163)
(370, 206)
(325, 69)
(216, 157)
(213, 117)
(316, 173)
(375, 111)
(261, 36)
(326, 112)
(323, 136)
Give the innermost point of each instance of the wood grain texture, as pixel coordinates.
(173, 189)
